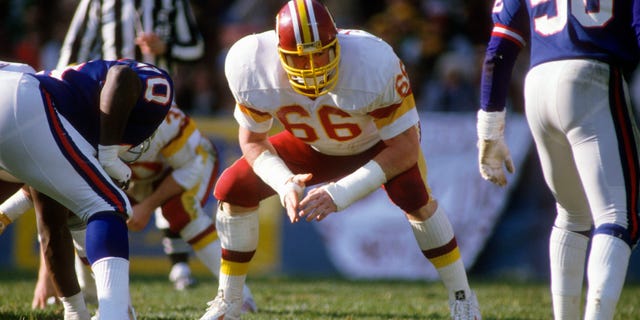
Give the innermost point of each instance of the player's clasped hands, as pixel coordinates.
(317, 205)
(292, 196)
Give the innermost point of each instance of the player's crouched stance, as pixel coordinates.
(60, 133)
(354, 132)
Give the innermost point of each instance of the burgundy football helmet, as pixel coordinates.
(305, 28)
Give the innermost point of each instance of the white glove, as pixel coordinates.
(493, 152)
(115, 168)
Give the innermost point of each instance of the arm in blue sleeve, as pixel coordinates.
(499, 60)
(636, 19)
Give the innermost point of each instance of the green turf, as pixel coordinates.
(316, 298)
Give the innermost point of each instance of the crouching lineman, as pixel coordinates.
(350, 121)
(60, 133)
(53, 235)
(174, 173)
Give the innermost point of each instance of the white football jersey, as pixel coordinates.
(372, 99)
(16, 67)
(176, 145)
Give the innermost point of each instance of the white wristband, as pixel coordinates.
(357, 185)
(16, 205)
(273, 171)
(491, 124)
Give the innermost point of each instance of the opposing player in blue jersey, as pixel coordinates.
(61, 132)
(578, 109)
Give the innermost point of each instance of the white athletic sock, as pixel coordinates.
(567, 255)
(210, 255)
(236, 233)
(606, 271)
(83, 271)
(112, 283)
(86, 281)
(437, 232)
(75, 308)
(232, 286)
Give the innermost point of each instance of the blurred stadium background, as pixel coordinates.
(502, 232)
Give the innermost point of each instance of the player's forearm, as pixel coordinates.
(266, 163)
(253, 144)
(499, 61)
(167, 189)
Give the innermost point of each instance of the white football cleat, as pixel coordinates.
(248, 304)
(465, 308)
(221, 309)
(181, 277)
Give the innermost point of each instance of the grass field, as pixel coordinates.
(316, 298)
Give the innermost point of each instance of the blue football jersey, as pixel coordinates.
(563, 29)
(558, 30)
(75, 93)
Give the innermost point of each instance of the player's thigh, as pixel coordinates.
(604, 144)
(51, 156)
(554, 149)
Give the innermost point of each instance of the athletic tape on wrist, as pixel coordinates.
(273, 171)
(490, 125)
(16, 205)
(108, 154)
(357, 185)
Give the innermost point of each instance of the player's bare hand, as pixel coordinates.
(140, 217)
(317, 205)
(292, 197)
(150, 43)
(42, 293)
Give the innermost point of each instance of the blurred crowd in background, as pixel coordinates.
(441, 42)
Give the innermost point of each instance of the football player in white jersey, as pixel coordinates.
(351, 126)
(176, 176)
